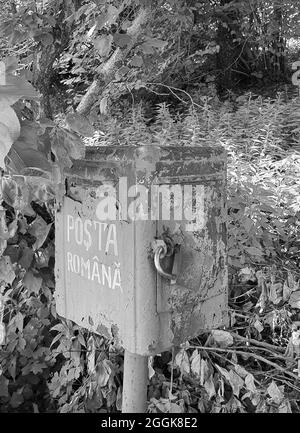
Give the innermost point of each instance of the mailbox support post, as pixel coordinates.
(135, 383)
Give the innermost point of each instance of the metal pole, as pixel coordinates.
(135, 383)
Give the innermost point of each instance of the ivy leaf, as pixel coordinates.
(22, 160)
(210, 387)
(16, 399)
(80, 124)
(103, 373)
(147, 48)
(40, 230)
(6, 142)
(11, 64)
(76, 351)
(19, 319)
(182, 361)
(174, 408)
(253, 251)
(103, 45)
(9, 118)
(46, 39)
(275, 393)
(38, 367)
(59, 328)
(224, 372)
(4, 233)
(137, 61)
(112, 14)
(249, 382)
(67, 145)
(4, 386)
(102, 20)
(32, 283)
(241, 371)
(294, 300)
(7, 273)
(236, 382)
(122, 40)
(16, 88)
(222, 338)
(56, 338)
(12, 366)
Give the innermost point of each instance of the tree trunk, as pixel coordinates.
(231, 59)
(107, 74)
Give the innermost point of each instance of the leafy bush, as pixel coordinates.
(50, 364)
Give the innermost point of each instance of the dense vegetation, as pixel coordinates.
(130, 72)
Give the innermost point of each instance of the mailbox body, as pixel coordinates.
(106, 280)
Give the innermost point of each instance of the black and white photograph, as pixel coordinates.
(149, 212)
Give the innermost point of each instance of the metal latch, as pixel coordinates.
(162, 249)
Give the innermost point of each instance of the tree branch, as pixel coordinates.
(107, 72)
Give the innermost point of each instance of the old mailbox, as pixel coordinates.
(141, 244)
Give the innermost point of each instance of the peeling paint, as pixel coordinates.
(149, 315)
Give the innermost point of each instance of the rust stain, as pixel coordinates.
(149, 315)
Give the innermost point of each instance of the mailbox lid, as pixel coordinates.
(149, 162)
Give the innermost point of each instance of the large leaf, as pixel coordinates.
(16, 192)
(103, 45)
(16, 88)
(182, 361)
(67, 145)
(29, 134)
(20, 159)
(275, 393)
(32, 283)
(9, 118)
(39, 229)
(11, 64)
(294, 300)
(137, 61)
(122, 39)
(80, 124)
(222, 338)
(7, 273)
(6, 142)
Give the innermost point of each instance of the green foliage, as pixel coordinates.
(26, 295)
(50, 364)
(80, 372)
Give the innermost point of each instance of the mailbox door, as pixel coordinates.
(198, 301)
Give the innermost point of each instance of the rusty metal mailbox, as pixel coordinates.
(141, 244)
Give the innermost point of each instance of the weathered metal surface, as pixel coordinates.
(105, 275)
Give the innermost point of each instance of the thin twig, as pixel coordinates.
(171, 88)
(258, 343)
(253, 355)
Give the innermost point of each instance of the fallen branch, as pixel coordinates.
(253, 355)
(258, 343)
